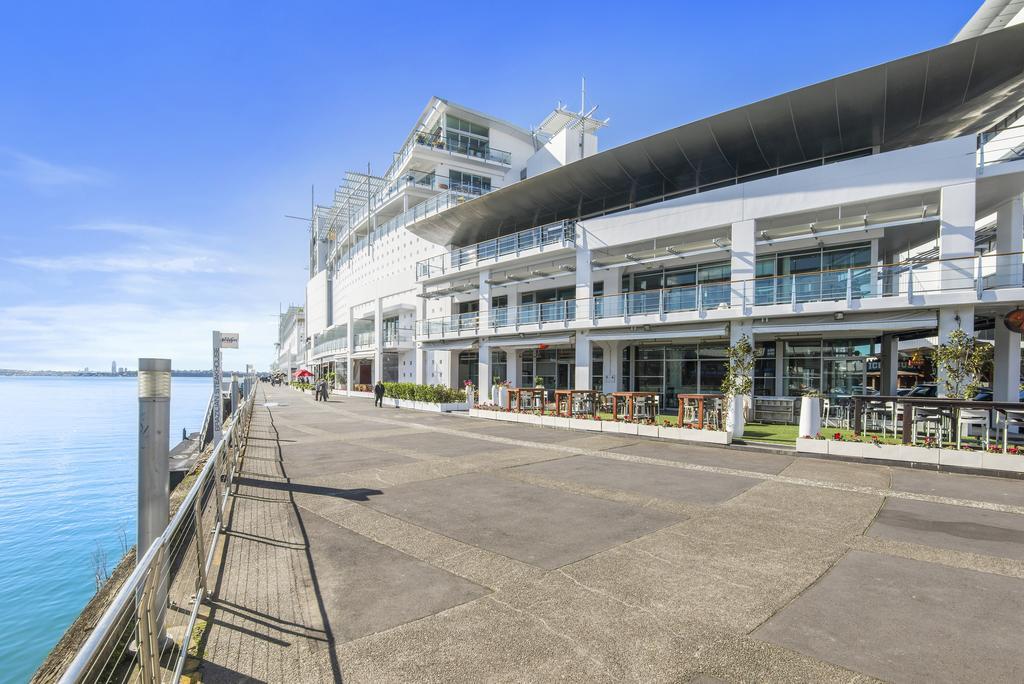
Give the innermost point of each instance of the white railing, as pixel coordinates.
(998, 147)
(170, 581)
(560, 232)
(907, 280)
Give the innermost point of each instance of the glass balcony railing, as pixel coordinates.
(479, 150)
(671, 300)
(561, 232)
(910, 279)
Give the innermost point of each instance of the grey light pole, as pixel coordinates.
(234, 394)
(154, 446)
(154, 476)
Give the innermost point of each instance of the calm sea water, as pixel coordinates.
(68, 453)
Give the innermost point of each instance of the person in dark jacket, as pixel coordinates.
(378, 394)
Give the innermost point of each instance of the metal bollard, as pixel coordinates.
(234, 394)
(154, 469)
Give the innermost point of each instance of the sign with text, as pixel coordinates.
(229, 340)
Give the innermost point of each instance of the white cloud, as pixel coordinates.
(69, 337)
(39, 173)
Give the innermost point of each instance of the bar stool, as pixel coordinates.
(1011, 418)
(930, 418)
(975, 418)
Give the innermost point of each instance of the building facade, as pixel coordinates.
(831, 226)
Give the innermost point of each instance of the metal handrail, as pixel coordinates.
(489, 250)
(127, 618)
(903, 279)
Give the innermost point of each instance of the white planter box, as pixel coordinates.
(584, 424)
(528, 418)
(848, 449)
(812, 446)
(690, 435)
(627, 428)
(955, 457)
(1011, 462)
(427, 406)
(647, 430)
(353, 393)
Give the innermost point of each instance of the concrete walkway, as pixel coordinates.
(389, 545)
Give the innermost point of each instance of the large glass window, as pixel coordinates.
(764, 369)
(466, 137)
(674, 369)
(468, 183)
(833, 367)
(814, 275)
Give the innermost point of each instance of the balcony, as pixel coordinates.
(1000, 146)
(504, 317)
(671, 300)
(440, 143)
(560, 233)
(914, 283)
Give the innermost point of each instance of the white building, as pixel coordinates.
(827, 224)
(291, 346)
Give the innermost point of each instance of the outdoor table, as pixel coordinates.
(909, 403)
(569, 396)
(515, 397)
(700, 399)
(630, 398)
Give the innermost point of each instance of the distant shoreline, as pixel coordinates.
(8, 372)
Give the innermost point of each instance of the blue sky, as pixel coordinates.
(149, 151)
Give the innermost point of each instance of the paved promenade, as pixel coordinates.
(390, 545)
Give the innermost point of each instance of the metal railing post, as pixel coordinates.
(200, 545)
(661, 302)
(979, 277)
(849, 286)
(792, 290)
(700, 298)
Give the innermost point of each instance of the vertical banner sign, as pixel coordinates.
(218, 401)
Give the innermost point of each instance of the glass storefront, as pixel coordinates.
(835, 367)
(674, 369)
(469, 366)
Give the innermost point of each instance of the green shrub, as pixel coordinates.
(432, 394)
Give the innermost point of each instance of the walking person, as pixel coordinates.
(378, 394)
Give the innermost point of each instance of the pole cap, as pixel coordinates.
(154, 378)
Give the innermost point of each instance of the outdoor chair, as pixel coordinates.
(604, 403)
(1011, 418)
(833, 414)
(932, 419)
(972, 418)
(882, 417)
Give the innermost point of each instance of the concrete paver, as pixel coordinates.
(908, 621)
(388, 545)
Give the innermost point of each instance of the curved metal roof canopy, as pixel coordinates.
(957, 89)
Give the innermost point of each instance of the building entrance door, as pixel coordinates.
(565, 375)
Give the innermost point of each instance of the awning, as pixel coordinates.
(528, 342)
(455, 345)
(895, 322)
(682, 333)
(952, 90)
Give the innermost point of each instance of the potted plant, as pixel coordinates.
(738, 383)
(810, 412)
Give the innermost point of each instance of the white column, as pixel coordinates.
(584, 377)
(780, 368)
(484, 373)
(485, 299)
(1006, 370)
(956, 237)
(1009, 243)
(420, 357)
(351, 348)
(378, 340)
(584, 277)
(512, 366)
(742, 262)
(737, 421)
(612, 366)
(951, 318)
(448, 363)
(889, 357)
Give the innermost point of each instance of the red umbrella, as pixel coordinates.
(303, 374)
